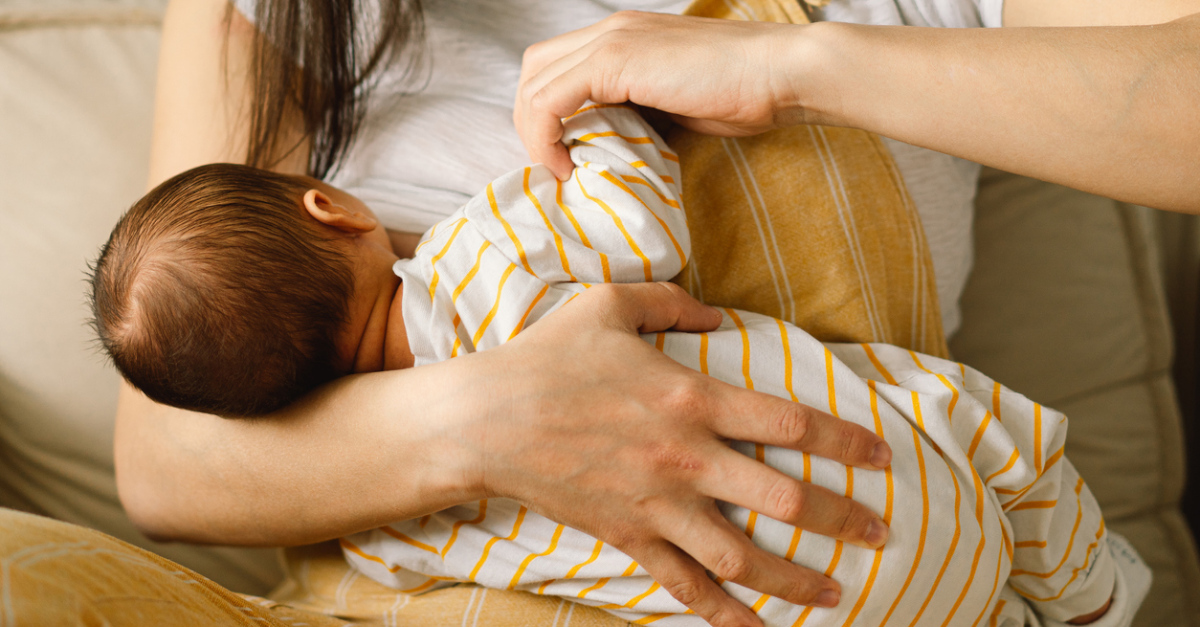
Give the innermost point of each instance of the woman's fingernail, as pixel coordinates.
(828, 598)
(877, 534)
(881, 456)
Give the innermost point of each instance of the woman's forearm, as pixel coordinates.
(630, 449)
(186, 476)
(1110, 110)
(359, 453)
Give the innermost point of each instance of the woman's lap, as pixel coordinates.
(56, 573)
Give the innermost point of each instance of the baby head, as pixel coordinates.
(227, 289)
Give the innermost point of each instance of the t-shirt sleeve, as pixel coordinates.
(937, 13)
(245, 7)
(991, 13)
(952, 13)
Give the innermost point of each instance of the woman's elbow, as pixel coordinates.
(150, 461)
(148, 516)
(152, 501)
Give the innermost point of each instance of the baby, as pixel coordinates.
(233, 291)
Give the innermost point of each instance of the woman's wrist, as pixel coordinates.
(461, 396)
(812, 67)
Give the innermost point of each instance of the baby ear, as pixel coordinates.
(323, 208)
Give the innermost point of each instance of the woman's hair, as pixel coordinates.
(216, 292)
(313, 61)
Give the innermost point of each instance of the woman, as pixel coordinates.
(381, 447)
(459, 434)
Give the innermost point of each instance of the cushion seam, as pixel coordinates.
(1141, 378)
(26, 18)
(1152, 334)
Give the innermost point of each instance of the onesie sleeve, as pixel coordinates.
(529, 243)
(618, 218)
(1062, 561)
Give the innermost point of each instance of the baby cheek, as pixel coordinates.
(360, 345)
(347, 351)
(350, 358)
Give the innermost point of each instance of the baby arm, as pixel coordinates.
(617, 219)
(1064, 562)
(529, 243)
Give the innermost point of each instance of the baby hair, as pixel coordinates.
(217, 292)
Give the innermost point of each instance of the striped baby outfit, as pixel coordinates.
(984, 510)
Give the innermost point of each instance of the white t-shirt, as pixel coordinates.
(434, 138)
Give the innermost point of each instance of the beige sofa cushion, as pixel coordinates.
(1066, 305)
(75, 111)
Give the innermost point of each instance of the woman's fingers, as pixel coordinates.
(741, 414)
(704, 542)
(540, 55)
(729, 554)
(540, 111)
(644, 308)
(686, 580)
(737, 479)
(708, 71)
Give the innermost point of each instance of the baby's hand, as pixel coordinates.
(1091, 618)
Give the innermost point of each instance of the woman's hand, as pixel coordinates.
(604, 433)
(715, 76)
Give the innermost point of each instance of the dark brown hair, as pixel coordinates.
(313, 61)
(216, 292)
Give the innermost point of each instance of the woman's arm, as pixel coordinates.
(1110, 110)
(171, 464)
(202, 95)
(577, 418)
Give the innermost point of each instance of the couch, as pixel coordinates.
(1080, 302)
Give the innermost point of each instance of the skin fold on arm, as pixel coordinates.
(375, 448)
(1100, 96)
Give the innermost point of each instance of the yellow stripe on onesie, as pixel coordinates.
(980, 507)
